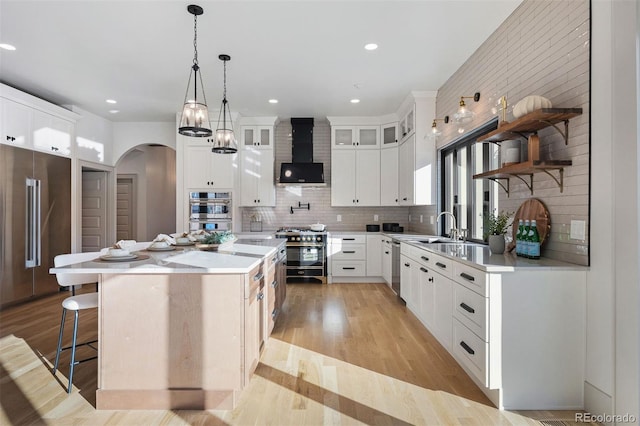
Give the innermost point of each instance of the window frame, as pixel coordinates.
(490, 202)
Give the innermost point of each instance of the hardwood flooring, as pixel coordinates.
(339, 354)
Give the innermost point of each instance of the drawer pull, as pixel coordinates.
(467, 348)
(274, 284)
(441, 265)
(386, 252)
(423, 269)
(260, 296)
(348, 268)
(348, 252)
(258, 277)
(274, 259)
(425, 258)
(467, 276)
(467, 308)
(274, 314)
(407, 265)
(348, 239)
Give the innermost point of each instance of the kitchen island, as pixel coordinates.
(179, 329)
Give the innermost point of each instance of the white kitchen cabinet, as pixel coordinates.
(360, 137)
(416, 172)
(51, 134)
(389, 133)
(257, 137)
(16, 124)
(348, 255)
(257, 188)
(389, 176)
(387, 260)
(407, 124)
(207, 170)
(520, 335)
(355, 177)
(374, 255)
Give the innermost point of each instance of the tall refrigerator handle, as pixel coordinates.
(30, 232)
(38, 222)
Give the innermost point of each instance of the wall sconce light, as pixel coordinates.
(465, 115)
(194, 120)
(435, 132)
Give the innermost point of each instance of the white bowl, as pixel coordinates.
(117, 252)
(318, 227)
(182, 240)
(160, 244)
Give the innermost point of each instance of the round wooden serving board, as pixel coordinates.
(532, 209)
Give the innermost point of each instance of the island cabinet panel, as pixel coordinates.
(171, 341)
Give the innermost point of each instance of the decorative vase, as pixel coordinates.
(496, 244)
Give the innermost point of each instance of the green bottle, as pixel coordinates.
(519, 236)
(534, 241)
(525, 239)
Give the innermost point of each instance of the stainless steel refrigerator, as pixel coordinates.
(35, 212)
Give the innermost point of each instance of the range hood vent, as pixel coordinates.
(302, 171)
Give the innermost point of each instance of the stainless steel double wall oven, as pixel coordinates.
(306, 255)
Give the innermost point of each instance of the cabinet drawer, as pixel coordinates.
(351, 252)
(471, 351)
(440, 264)
(471, 278)
(348, 239)
(255, 280)
(471, 310)
(346, 268)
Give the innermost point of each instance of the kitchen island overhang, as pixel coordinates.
(176, 331)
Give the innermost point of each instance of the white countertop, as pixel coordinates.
(187, 261)
(480, 257)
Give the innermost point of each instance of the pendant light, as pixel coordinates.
(194, 120)
(225, 140)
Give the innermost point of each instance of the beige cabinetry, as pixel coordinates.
(520, 335)
(253, 322)
(207, 170)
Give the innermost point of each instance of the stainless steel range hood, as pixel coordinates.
(302, 171)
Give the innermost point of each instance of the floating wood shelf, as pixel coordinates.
(532, 122)
(524, 170)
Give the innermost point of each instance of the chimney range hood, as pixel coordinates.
(302, 171)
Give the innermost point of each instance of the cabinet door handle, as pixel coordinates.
(467, 348)
(300, 272)
(425, 258)
(348, 239)
(260, 296)
(404, 199)
(348, 268)
(467, 276)
(430, 279)
(467, 308)
(348, 252)
(258, 277)
(423, 269)
(386, 252)
(441, 265)
(407, 265)
(274, 284)
(274, 314)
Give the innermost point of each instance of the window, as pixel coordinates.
(468, 199)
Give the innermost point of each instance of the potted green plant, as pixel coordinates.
(495, 226)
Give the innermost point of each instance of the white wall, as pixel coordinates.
(129, 135)
(612, 379)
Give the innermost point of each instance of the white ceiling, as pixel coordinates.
(307, 54)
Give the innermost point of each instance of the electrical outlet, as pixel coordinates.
(431, 220)
(420, 218)
(339, 218)
(578, 230)
(375, 217)
(409, 218)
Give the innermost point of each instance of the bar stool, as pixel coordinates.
(75, 303)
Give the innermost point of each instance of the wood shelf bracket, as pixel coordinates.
(528, 184)
(497, 180)
(559, 182)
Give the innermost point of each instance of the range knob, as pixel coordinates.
(309, 238)
(318, 238)
(297, 238)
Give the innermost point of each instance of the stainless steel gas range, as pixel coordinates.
(306, 255)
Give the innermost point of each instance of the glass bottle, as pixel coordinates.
(525, 239)
(519, 237)
(534, 241)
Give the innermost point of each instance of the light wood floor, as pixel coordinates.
(340, 354)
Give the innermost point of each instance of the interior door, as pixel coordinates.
(126, 218)
(94, 210)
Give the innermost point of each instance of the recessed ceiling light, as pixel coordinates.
(371, 46)
(273, 101)
(114, 111)
(111, 101)
(6, 46)
(355, 101)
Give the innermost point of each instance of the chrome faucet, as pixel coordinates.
(454, 231)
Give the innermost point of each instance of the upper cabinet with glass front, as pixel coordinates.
(389, 135)
(407, 124)
(257, 137)
(355, 137)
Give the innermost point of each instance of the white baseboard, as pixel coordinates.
(333, 279)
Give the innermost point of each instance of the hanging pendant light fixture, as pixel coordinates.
(194, 120)
(225, 140)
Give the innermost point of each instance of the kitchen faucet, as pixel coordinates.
(454, 231)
